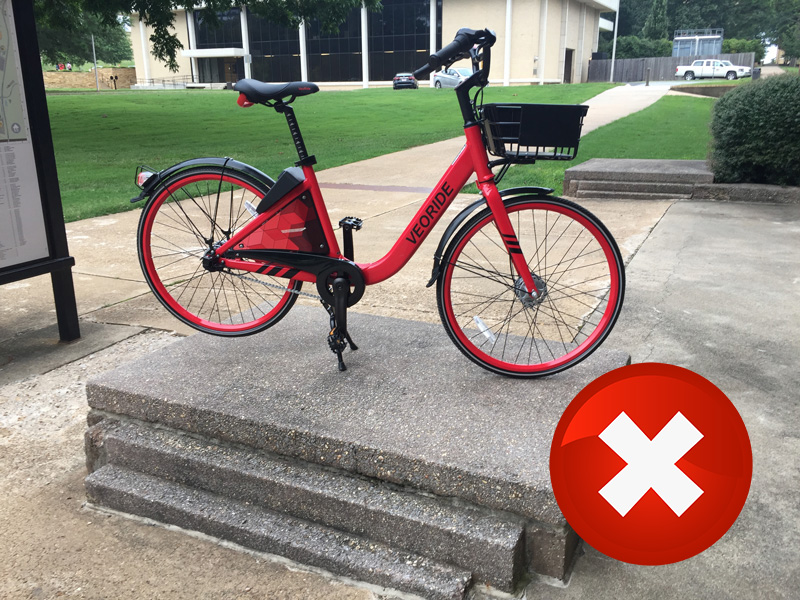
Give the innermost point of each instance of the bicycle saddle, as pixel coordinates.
(259, 92)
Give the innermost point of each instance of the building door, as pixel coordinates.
(568, 58)
(231, 75)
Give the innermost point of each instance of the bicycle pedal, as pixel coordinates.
(337, 343)
(351, 223)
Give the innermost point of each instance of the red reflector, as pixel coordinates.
(243, 101)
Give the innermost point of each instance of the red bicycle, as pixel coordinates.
(527, 284)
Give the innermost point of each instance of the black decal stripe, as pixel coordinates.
(515, 251)
(275, 270)
(262, 269)
(291, 273)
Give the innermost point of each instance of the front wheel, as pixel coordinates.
(185, 219)
(576, 266)
(730, 76)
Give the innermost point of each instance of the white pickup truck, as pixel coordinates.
(712, 68)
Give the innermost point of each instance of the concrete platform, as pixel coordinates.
(413, 453)
(648, 179)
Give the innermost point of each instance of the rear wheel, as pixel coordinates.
(575, 265)
(689, 76)
(189, 215)
(438, 85)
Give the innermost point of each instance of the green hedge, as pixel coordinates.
(756, 133)
(734, 46)
(630, 46)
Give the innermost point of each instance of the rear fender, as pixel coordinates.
(509, 194)
(154, 181)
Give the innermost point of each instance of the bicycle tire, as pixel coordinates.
(171, 243)
(576, 265)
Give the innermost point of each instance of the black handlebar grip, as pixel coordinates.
(462, 42)
(422, 71)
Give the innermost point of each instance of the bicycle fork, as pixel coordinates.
(509, 237)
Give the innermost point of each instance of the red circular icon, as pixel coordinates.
(651, 464)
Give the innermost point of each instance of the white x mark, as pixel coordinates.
(651, 464)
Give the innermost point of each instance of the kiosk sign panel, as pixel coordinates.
(23, 235)
(33, 239)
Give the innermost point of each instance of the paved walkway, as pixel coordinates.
(384, 191)
(711, 286)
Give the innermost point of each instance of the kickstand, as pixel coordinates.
(339, 338)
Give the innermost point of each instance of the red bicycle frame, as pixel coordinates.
(472, 159)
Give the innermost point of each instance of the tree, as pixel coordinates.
(630, 46)
(790, 42)
(745, 19)
(734, 46)
(788, 28)
(655, 27)
(158, 14)
(59, 45)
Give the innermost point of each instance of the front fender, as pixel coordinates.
(508, 194)
(155, 180)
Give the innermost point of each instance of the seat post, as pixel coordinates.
(297, 137)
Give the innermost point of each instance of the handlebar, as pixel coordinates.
(459, 48)
(477, 45)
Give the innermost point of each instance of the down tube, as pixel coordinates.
(423, 222)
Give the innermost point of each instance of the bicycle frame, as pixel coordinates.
(472, 159)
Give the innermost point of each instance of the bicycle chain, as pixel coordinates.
(278, 287)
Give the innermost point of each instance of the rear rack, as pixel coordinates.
(525, 133)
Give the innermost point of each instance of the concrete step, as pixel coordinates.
(655, 171)
(464, 536)
(265, 531)
(410, 412)
(626, 195)
(678, 190)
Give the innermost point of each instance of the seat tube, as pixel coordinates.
(322, 211)
(489, 190)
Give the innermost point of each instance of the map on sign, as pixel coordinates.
(23, 235)
(12, 122)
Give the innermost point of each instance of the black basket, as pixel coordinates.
(525, 133)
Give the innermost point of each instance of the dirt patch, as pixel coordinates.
(53, 546)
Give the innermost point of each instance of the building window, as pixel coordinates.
(399, 37)
(227, 35)
(275, 50)
(399, 40)
(336, 56)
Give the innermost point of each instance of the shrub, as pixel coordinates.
(734, 46)
(756, 133)
(630, 46)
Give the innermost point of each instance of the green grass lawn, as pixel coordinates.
(675, 127)
(100, 138)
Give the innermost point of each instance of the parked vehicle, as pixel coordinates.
(701, 69)
(404, 80)
(450, 77)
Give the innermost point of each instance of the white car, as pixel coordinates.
(700, 69)
(451, 77)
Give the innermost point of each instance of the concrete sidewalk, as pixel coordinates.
(711, 287)
(384, 191)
